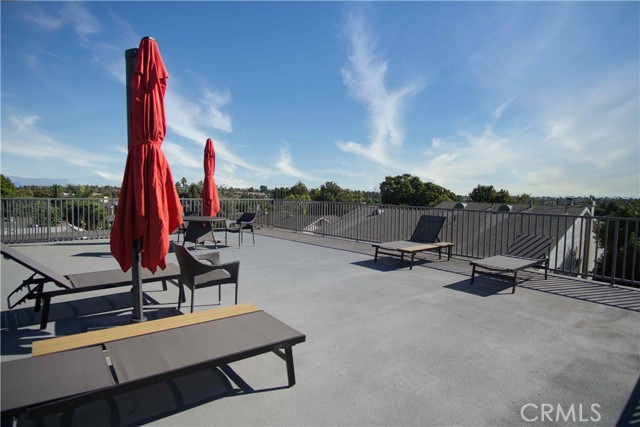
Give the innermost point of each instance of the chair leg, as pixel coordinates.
(473, 273)
(254, 237)
(236, 292)
(215, 244)
(219, 294)
(193, 293)
(181, 297)
(546, 269)
(44, 316)
(515, 280)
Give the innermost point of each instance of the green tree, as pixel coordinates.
(281, 192)
(483, 193)
(328, 192)
(56, 191)
(410, 190)
(7, 187)
(194, 190)
(522, 199)
(88, 215)
(400, 189)
(488, 194)
(503, 196)
(299, 189)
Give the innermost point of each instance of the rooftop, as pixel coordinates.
(385, 345)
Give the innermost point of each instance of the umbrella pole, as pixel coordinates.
(138, 312)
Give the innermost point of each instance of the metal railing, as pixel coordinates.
(602, 248)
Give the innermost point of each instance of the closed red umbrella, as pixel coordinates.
(210, 200)
(149, 208)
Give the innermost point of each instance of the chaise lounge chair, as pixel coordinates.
(69, 371)
(34, 286)
(527, 250)
(424, 238)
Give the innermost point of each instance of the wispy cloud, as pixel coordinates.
(583, 141)
(510, 54)
(595, 133)
(285, 166)
(66, 14)
(198, 120)
(110, 176)
(472, 158)
(177, 155)
(365, 78)
(83, 23)
(23, 138)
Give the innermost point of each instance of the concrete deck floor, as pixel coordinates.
(385, 345)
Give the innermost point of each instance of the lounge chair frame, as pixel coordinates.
(83, 374)
(34, 286)
(424, 238)
(527, 250)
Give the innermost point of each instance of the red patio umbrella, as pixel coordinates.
(209, 194)
(149, 208)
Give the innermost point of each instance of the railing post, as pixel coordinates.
(614, 256)
(48, 220)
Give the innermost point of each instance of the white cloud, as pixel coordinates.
(177, 155)
(365, 78)
(576, 142)
(123, 149)
(285, 166)
(24, 139)
(214, 103)
(83, 22)
(437, 142)
(197, 121)
(476, 159)
(38, 16)
(66, 14)
(110, 176)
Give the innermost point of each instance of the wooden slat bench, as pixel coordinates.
(67, 371)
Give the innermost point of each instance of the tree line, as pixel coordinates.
(404, 189)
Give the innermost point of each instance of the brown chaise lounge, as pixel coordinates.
(424, 238)
(34, 286)
(527, 250)
(68, 371)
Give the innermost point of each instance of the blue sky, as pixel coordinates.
(538, 97)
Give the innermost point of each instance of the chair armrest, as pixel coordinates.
(233, 268)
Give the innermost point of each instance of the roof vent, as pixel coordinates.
(460, 205)
(504, 208)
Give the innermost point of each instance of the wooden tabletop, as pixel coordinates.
(204, 218)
